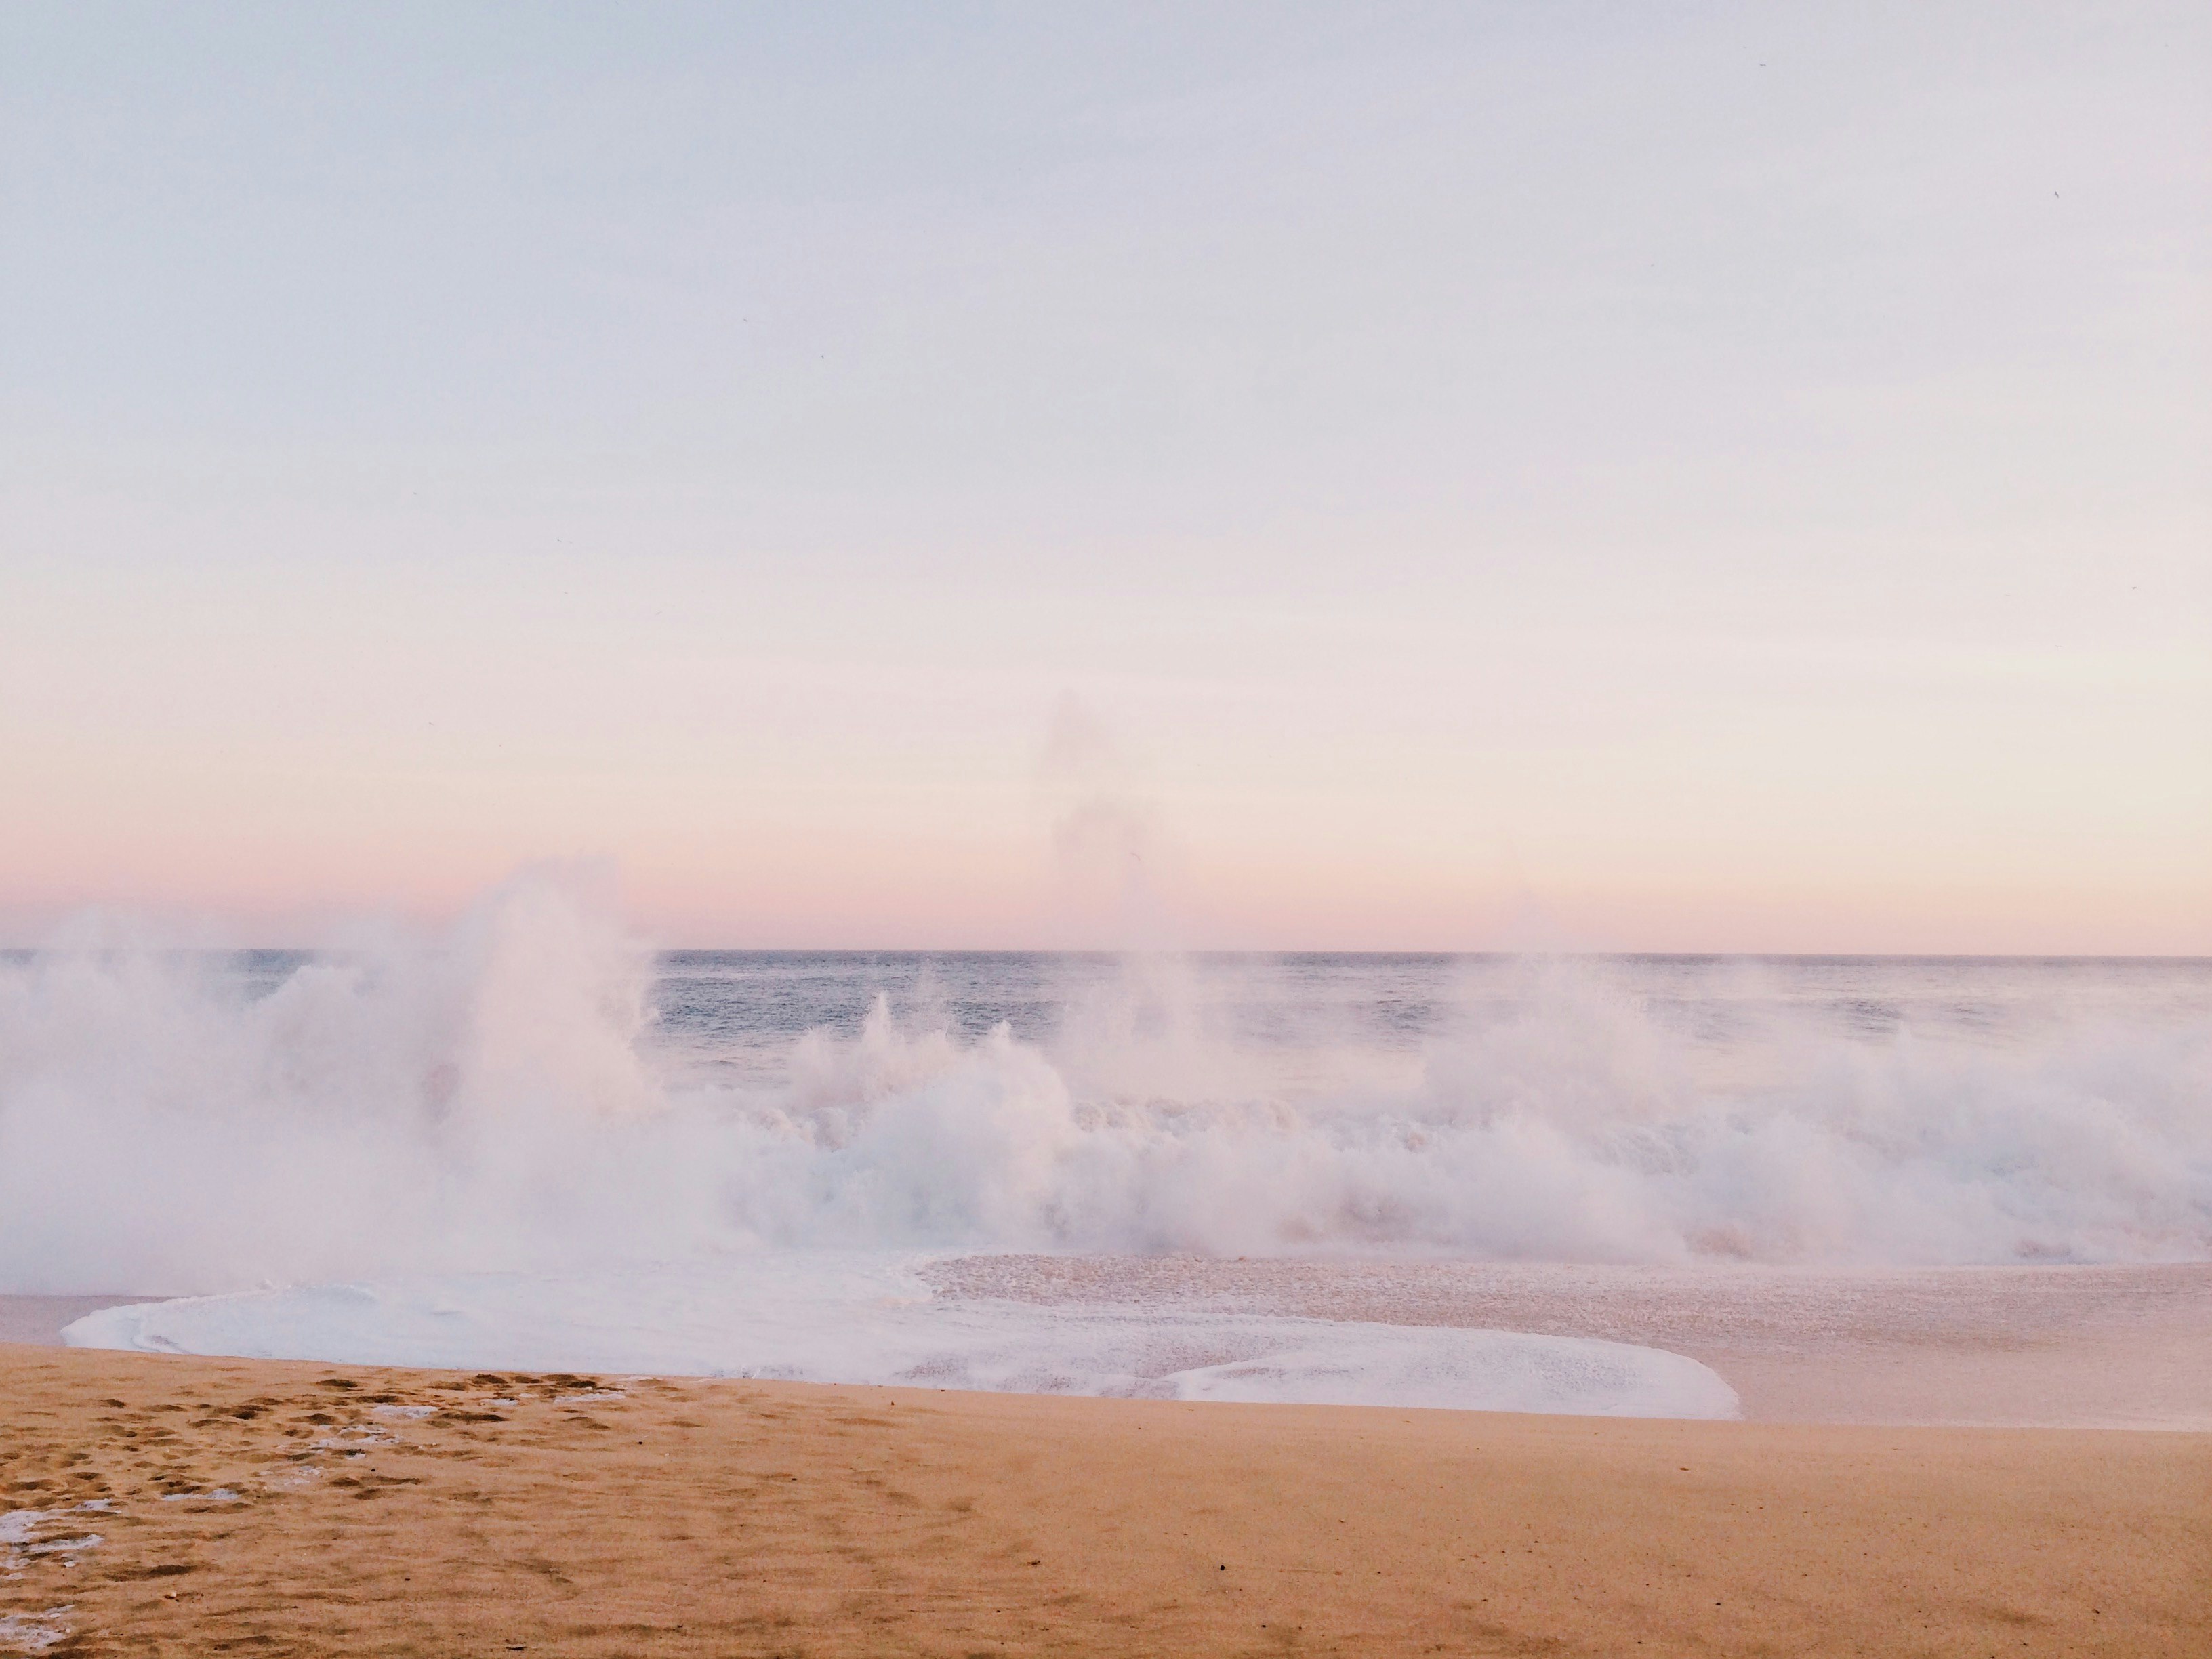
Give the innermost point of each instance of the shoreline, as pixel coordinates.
(38, 1320)
(2071, 1345)
(2088, 1346)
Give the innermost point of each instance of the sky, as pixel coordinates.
(1395, 477)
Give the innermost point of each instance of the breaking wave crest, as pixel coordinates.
(495, 1101)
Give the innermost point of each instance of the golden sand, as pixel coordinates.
(378, 1511)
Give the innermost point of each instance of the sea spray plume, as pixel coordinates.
(1784, 1138)
(1142, 1128)
(1564, 1120)
(497, 1099)
(924, 1140)
(1105, 840)
(479, 1099)
(1567, 1119)
(556, 996)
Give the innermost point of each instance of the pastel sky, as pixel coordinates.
(1458, 477)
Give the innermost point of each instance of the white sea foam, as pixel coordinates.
(495, 1102)
(35, 1632)
(18, 1526)
(66, 1547)
(850, 1318)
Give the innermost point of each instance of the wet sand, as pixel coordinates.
(2104, 1347)
(43, 1318)
(2091, 1346)
(187, 1506)
(2125, 1346)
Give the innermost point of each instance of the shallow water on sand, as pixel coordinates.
(2103, 1346)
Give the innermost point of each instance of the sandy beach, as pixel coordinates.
(165, 1505)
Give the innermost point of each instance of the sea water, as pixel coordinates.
(469, 1134)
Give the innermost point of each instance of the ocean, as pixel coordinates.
(778, 1150)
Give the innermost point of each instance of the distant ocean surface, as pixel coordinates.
(739, 1012)
(533, 1095)
(1303, 1020)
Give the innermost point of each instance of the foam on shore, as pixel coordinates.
(852, 1318)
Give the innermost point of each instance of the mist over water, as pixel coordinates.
(536, 1092)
